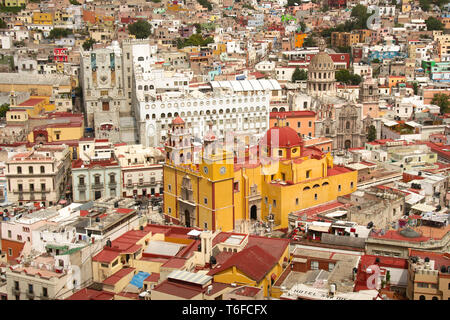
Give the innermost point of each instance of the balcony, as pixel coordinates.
(82, 187)
(15, 291)
(30, 295)
(96, 186)
(20, 191)
(113, 184)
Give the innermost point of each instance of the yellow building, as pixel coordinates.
(14, 3)
(33, 106)
(212, 189)
(42, 18)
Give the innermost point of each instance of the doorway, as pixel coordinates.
(98, 195)
(187, 218)
(348, 144)
(254, 212)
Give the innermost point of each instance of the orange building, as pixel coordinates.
(301, 121)
(12, 248)
(322, 143)
(299, 38)
(395, 80)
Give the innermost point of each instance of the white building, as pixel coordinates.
(229, 105)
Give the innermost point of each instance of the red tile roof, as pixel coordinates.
(254, 262)
(154, 277)
(31, 102)
(177, 290)
(247, 291)
(116, 277)
(106, 255)
(89, 294)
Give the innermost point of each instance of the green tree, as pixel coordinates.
(434, 24)
(299, 74)
(302, 26)
(2, 24)
(355, 79)
(309, 42)
(195, 39)
(3, 109)
(140, 29)
(58, 33)
(360, 13)
(88, 44)
(441, 100)
(425, 4)
(343, 75)
(198, 27)
(372, 134)
(415, 88)
(205, 4)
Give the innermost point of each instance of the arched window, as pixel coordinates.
(327, 130)
(306, 188)
(347, 125)
(422, 297)
(147, 116)
(30, 169)
(316, 186)
(325, 184)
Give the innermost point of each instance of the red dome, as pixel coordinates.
(286, 136)
(177, 120)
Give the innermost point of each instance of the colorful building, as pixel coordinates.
(42, 18)
(301, 121)
(299, 39)
(209, 187)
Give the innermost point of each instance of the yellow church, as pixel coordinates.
(213, 187)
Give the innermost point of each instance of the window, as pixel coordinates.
(280, 153)
(30, 288)
(206, 226)
(30, 170)
(9, 234)
(299, 124)
(81, 181)
(308, 174)
(315, 196)
(314, 265)
(310, 124)
(105, 106)
(169, 187)
(19, 237)
(296, 201)
(42, 169)
(19, 170)
(44, 292)
(274, 203)
(422, 285)
(16, 285)
(205, 200)
(236, 186)
(105, 265)
(9, 252)
(115, 262)
(351, 185)
(339, 187)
